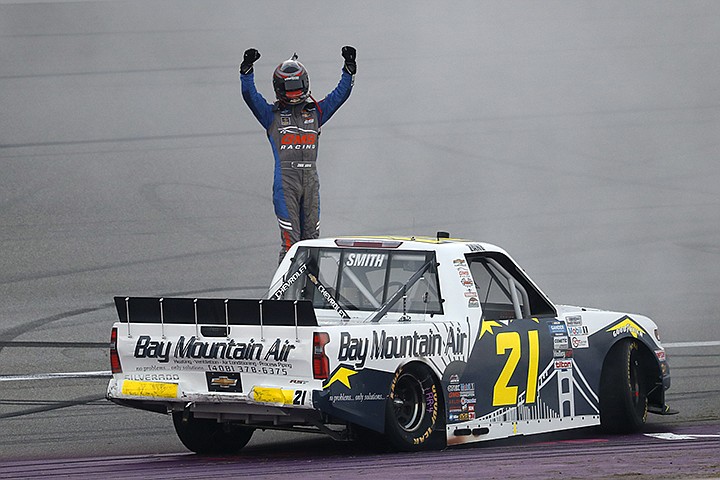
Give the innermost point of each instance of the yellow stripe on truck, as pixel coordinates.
(149, 389)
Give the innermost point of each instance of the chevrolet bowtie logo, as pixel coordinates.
(223, 382)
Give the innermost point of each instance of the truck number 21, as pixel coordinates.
(503, 392)
(299, 397)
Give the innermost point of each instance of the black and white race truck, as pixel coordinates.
(423, 342)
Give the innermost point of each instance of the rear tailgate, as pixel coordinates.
(214, 350)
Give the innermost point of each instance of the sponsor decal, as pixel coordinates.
(327, 296)
(284, 121)
(461, 417)
(580, 330)
(475, 247)
(626, 325)
(375, 260)
(557, 328)
(297, 147)
(162, 350)
(382, 346)
(149, 389)
(561, 343)
(461, 401)
(288, 283)
(573, 320)
(563, 364)
(272, 395)
(580, 341)
(660, 354)
(297, 138)
(562, 353)
(467, 282)
(223, 382)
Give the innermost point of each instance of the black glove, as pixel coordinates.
(349, 54)
(251, 56)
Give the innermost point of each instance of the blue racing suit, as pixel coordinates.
(294, 132)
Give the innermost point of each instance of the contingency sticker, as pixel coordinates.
(467, 282)
(149, 389)
(274, 395)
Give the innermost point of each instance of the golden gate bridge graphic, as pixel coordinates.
(569, 382)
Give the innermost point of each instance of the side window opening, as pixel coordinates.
(498, 293)
(503, 292)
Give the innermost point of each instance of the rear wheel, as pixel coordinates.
(207, 436)
(414, 415)
(623, 389)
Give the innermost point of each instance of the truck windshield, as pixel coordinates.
(363, 280)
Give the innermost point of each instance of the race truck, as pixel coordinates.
(421, 342)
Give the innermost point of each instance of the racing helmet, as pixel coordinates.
(291, 82)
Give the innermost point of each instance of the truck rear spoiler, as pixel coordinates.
(216, 311)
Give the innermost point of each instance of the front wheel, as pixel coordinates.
(414, 414)
(207, 436)
(623, 389)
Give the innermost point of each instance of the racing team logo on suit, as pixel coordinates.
(297, 138)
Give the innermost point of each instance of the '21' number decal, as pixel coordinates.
(503, 392)
(299, 397)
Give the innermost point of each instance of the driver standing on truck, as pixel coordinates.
(293, 127)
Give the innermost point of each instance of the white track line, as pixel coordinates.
(48, 376)
(691, 344)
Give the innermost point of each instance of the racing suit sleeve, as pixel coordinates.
(254, 99)
(330, 104)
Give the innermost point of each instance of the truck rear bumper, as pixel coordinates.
(261, 407)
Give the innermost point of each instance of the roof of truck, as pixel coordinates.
(403, 242)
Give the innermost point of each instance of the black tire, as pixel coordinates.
(207, 436)
(414, 413)
(623, 389)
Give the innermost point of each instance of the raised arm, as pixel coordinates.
(254, 99)
(330, 104)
